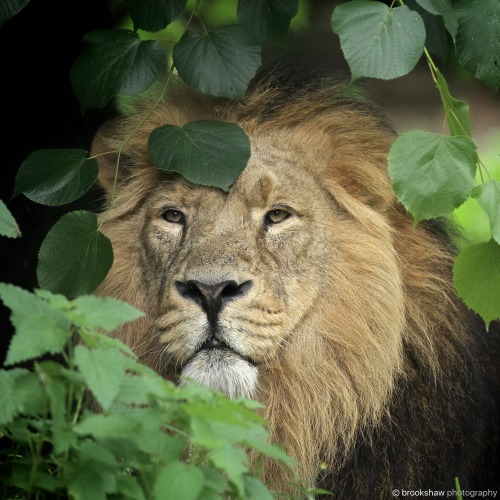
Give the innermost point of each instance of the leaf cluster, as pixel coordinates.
(150, 438)
(75, 256)
(433, 174)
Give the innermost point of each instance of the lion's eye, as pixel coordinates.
(276, 216)
(173, 216)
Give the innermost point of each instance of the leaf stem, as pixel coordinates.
(140, 123)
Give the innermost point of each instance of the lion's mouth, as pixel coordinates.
(213, 343)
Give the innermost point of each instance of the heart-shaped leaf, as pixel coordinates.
(56, 176)
(74, 257)
(207, 152)
(379, 41)
(221, 62)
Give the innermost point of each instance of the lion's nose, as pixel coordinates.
(212, 296)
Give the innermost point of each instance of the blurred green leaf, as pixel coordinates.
(478, 39)
(442, 8)
(74, 257)
(103, 312)
(207, 152)
(9, 8)
(457, 112)
(103, 371)
(432, 174)
(56, 176)
(255, 490)
(371, 34)
(267, 19)
(178, 481)
(488, 196)
(220, 63)
(43, 330)
(154, 15)
(234, 461)
(115, 62)
(8, 225)
(476, 275)
(11, 401)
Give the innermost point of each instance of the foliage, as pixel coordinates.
(151, 439)
(433, 174)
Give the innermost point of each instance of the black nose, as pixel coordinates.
(212, 297)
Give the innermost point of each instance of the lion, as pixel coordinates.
(308, 288)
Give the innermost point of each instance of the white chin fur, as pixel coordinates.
(223, 371)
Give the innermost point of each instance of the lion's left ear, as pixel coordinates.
(104, 148)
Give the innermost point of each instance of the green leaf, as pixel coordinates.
(154, 15)
(488, 196)
(74, 257)
(40, 329)
(129, 487)
(477, 279)
(432, 174)
(207, 152)
(103, 371)
(256, 490)
(11, 401)
(91, 472)
(478, 39)
(115, 62)
(442, 8)
(457, 112)
(234, 462)
(8, 225)
(178, 481)
(103, 312)
(220, 63)
(378, 41)
(9, 8)
(267, 19)
(56, 176)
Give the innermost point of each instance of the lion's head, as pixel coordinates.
(300, 287)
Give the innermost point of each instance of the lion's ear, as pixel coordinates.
(105, 147)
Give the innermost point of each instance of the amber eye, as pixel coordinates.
(276, 216)
(173, 216)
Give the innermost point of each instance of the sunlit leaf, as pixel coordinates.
(207, 152)
(56, 176)
(74, 257)
(477, 279)
(378, 41)
(488, 196)
(432, 174)
(457, 112)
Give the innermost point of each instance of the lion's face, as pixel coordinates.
(234, 274)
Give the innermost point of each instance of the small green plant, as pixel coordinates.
(151, 439)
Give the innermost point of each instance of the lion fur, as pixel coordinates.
(385, 377)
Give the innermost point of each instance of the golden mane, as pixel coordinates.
(375, 379)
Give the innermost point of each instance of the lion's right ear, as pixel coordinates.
(104, 148)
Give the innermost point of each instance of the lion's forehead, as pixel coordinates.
(269, 179)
